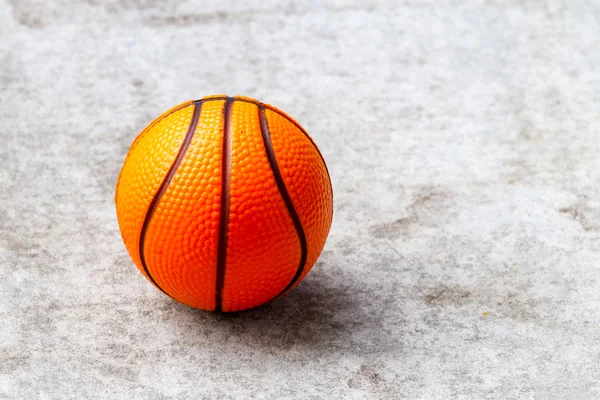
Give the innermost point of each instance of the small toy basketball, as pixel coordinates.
(224, 203)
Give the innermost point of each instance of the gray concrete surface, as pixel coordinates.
(462, 138)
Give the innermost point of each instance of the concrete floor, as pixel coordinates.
(462, 138)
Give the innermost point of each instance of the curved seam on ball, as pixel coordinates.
(266, 136)
(163, 187)
(142, 135)
(225, 202)
(297, 125)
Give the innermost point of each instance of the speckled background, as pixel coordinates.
(462, 138)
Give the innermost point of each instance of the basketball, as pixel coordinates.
(224, 203)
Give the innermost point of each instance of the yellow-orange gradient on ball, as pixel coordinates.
(224, 203)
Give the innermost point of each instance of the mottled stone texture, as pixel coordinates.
(463, 141)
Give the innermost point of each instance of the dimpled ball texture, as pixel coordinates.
(224, 203)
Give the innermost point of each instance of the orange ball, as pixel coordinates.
(224, 203)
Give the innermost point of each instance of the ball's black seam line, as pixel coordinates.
(143, 133)
(163, 187)
(297, 125)
(224, 217)
(266, 136)
(287, 117)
